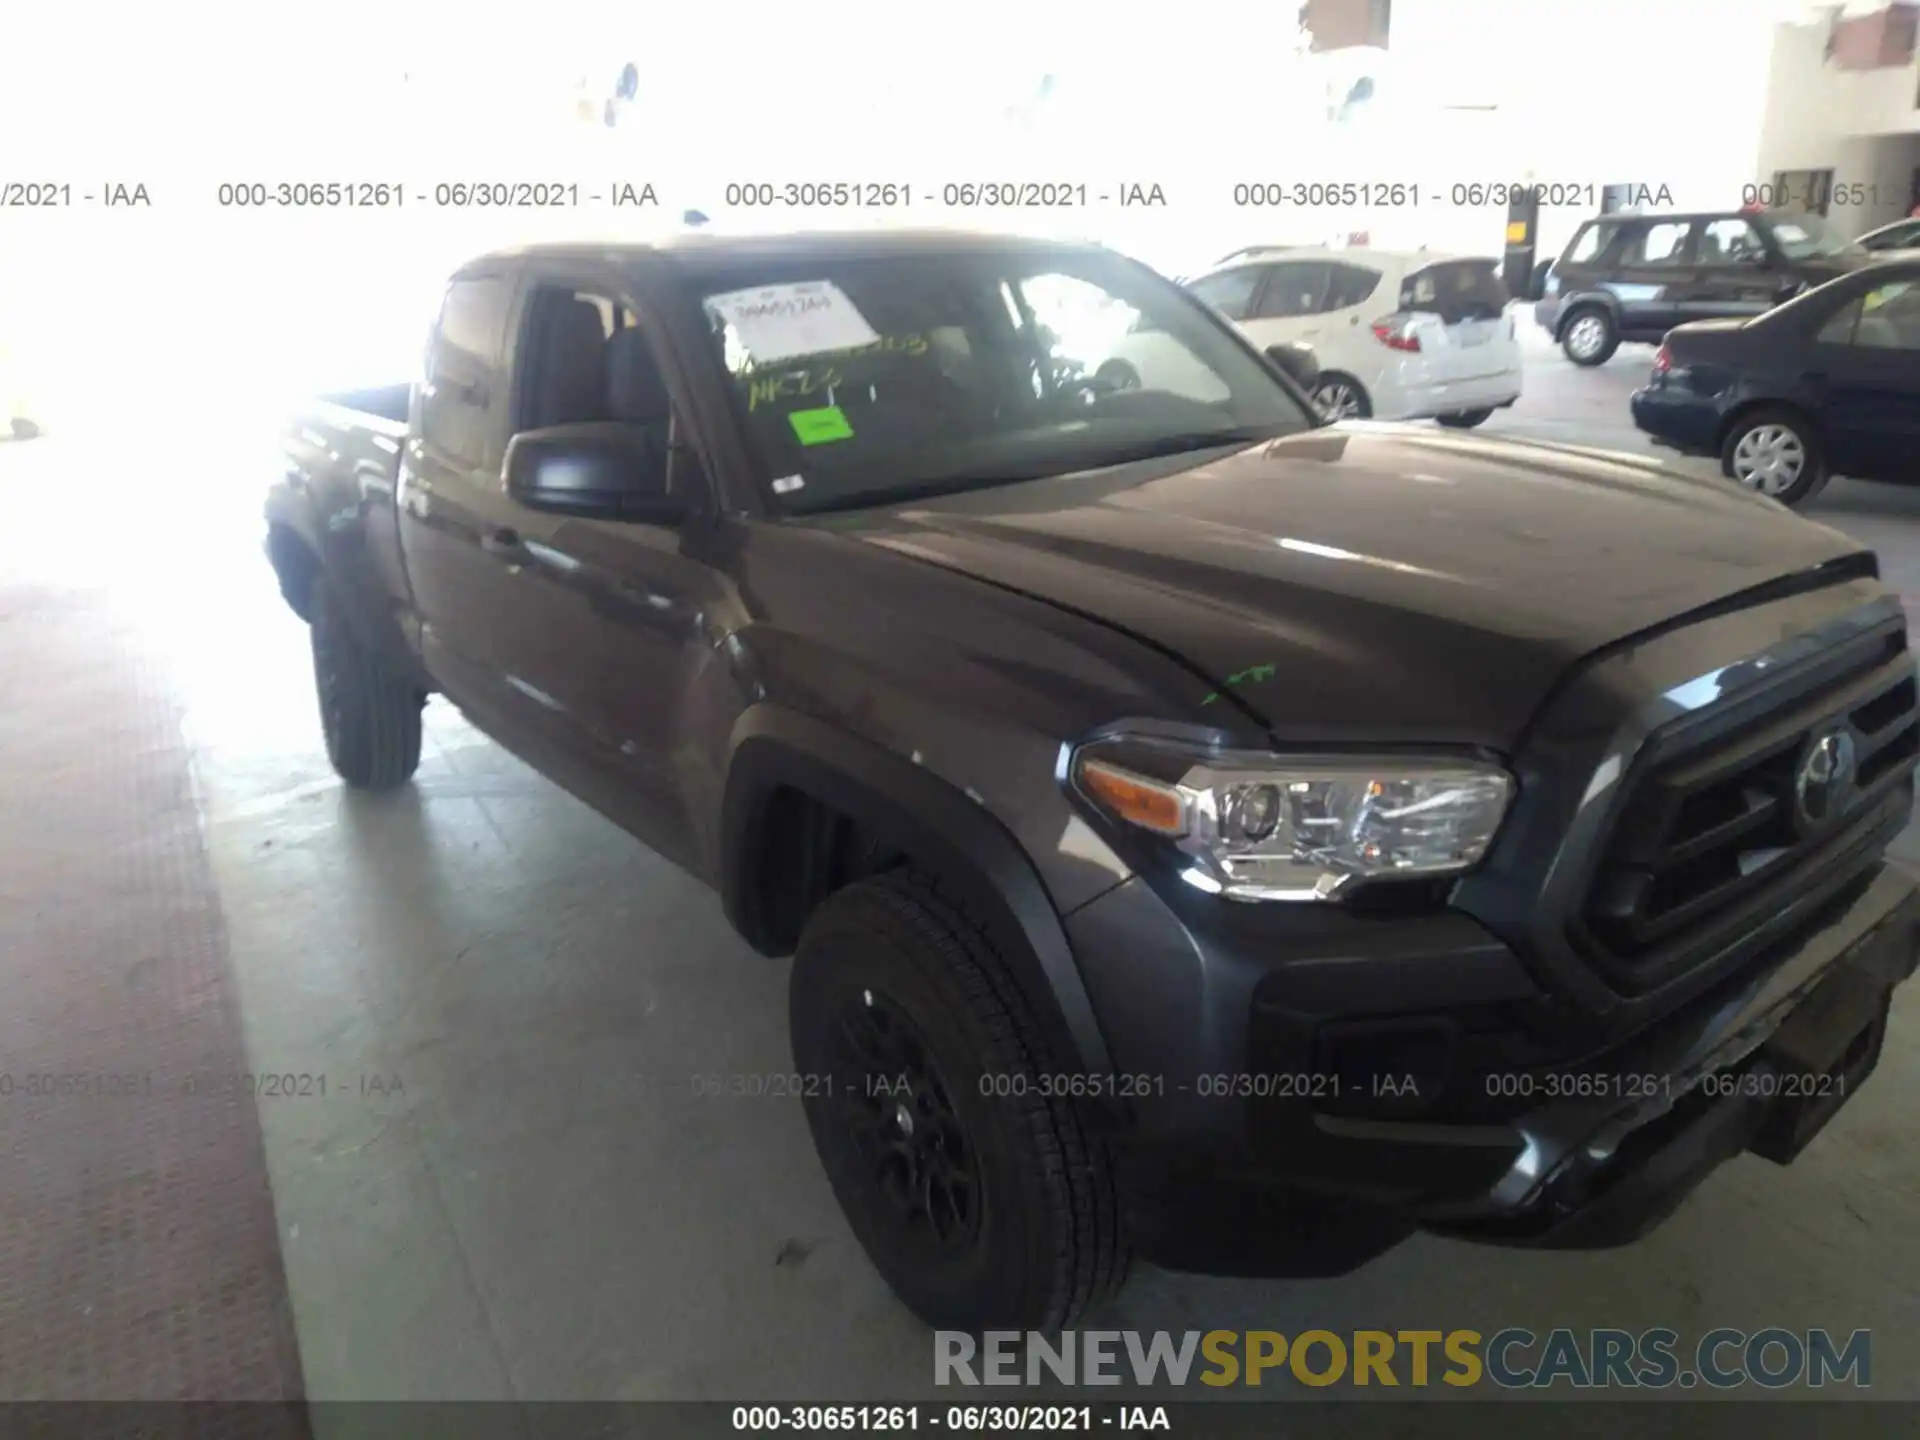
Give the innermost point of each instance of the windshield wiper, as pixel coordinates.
(1186, 443)
(1153, 448)
(881, 496)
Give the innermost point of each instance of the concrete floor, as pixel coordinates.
(537, 1201)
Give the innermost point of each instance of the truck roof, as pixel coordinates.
(791, 245)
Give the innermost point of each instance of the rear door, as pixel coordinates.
(1735, 276)
(1457, 309)
(1353, 298)
(449, 482)
(1290, 304)
(1868, 362)
(1652, 271)
(1231, 292)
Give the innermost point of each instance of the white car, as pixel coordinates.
(1399, 335)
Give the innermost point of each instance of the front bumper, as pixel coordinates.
(1262, 1127)
(1547, 313)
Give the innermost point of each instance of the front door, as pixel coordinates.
(610, 626)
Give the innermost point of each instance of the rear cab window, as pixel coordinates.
(462, 367)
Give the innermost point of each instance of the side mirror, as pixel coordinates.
(1298, 360)
(607, 472)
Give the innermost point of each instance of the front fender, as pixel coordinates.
(913, 811)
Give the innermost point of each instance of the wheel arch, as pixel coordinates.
(296, 565)
(1587, 300)
(1751, 406)
(777, 752)
(1334, 372)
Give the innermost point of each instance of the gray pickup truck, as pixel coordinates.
(1199, 830)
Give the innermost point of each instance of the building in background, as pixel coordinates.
(1657, 101)
(1841, 126)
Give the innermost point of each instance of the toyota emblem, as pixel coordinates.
(1821, 787)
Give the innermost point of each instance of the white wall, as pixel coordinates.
(1862, 125)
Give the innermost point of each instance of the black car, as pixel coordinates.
(1634, 277)
(1826, 384)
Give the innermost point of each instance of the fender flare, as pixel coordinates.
(916, 812)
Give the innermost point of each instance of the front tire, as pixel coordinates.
(1118, 375)
(1466, 419)
(1776, 453)
(982, 1201)
(1589, 337)
(371, 720)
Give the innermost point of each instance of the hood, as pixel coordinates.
(1366, 581)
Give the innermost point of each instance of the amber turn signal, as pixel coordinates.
(1134, 798)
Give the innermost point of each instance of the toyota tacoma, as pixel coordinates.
(1199, 831)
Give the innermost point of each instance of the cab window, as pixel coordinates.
(1657, 242)
(1885, 318)
(1732, 241)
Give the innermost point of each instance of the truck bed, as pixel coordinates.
(385, 402)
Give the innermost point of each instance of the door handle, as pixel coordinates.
(503, 540)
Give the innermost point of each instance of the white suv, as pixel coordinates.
(1399, 335)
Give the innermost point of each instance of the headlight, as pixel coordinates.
(1276, 827)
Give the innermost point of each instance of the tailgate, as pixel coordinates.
(1458, 308)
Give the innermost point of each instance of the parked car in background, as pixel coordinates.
(1901, 235)
(1826, 384)
(1632, 278)
(1399, 335)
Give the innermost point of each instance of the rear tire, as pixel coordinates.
(1118, 375)
(1339, 396)
(370, 718)
(981, 1209)
(1775, 452)
(1589, 336)
(1466, 419)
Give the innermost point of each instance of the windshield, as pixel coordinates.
(866, 381)
(1808, 237)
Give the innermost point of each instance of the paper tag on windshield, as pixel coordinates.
(782, 322)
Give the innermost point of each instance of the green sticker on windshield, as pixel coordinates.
(820, 427)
